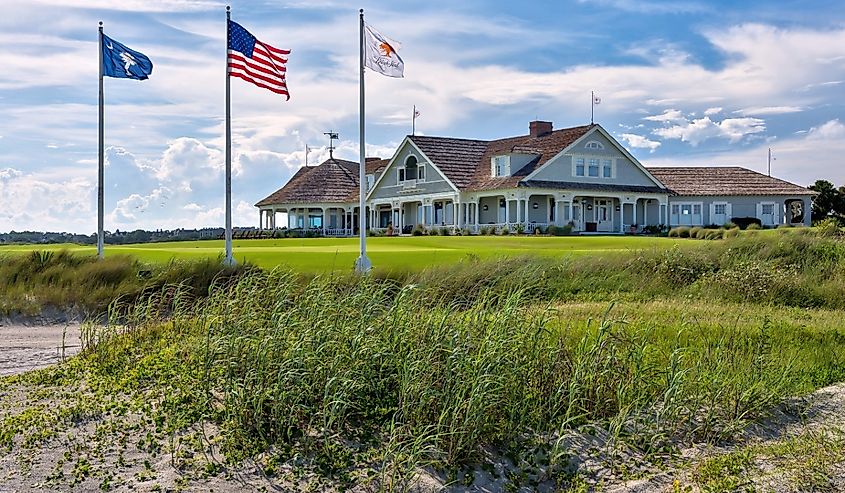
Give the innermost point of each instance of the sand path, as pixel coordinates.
(28, 347)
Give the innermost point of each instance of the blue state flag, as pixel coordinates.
(124, 63)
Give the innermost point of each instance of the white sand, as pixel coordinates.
(28, 347)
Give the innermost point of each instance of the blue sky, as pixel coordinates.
(682, 83)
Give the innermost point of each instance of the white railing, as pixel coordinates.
(338, 232)
(531, 227)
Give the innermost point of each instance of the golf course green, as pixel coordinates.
(338, 254)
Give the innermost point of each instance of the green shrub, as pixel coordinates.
(466, 232)
(519, 228)
(693, 232)
(714, 234)
(418, 230)
(828, 227)
(433, 231)
(754, 227)
(564, 230)
(729, 225)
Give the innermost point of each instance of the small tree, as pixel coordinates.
(830, 201)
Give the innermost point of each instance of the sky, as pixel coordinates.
(681, 82)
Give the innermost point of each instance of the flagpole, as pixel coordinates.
(592, 105)
(229, 260)
(414, 121)
(101, 155)
(362, 264)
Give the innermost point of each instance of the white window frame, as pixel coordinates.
(594, 144)
(679, 206)
(593, 163)
(723, 205)
(421, 172)
(505, 165)
(582, 162)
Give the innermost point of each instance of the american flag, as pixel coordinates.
(256, 62)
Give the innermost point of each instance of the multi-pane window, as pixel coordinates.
(607, 168)
(421, 172)
(720, 208)
(593, 169)
(579, 167)
(594, 145)
(696, 209)
(676, 209)
(768, 208)
(501, 166)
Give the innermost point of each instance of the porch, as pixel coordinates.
(593, 213)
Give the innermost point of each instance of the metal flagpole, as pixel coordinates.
(592, 105)
(229, 260)
(414, 121)
(101, 157)
(363, 264)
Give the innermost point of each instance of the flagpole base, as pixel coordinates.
(363, 265)
(229, 261)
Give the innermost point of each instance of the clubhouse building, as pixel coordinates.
(579, 176)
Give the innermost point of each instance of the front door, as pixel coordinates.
(604, 216)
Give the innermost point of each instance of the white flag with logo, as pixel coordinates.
(380, 54)
(596, 99)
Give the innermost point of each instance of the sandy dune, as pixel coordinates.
(28, 347)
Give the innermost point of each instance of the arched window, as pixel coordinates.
(409, 171)
(594, 144)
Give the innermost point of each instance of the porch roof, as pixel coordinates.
(597, 187)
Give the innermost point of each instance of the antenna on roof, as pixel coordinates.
(332, 137)
(307, 150)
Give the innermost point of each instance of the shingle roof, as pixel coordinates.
(723, 180)
(466, 162)
(455, 158)
(333, 181)
(374, 165)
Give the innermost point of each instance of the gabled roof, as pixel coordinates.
(455, 158)
(466, 162)
(374, 165)
(333, 181)
(723, 180)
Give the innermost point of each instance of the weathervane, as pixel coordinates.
(332, 137)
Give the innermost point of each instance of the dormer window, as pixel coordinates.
(500, 166)
(594, 144)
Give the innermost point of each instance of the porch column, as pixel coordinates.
(477, 212)
(525, 205)
(507, 211)
(456, 210)
(645, 212)
(572, 210)
(634, 217)
(621, 216)
(401, 217)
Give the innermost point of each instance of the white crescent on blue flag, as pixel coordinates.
(124, 63)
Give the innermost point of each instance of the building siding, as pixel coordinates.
(389, 188)
(742, 206)
(626, 172)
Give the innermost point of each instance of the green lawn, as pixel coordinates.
(327, 254)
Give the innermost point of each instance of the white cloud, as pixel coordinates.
(768, 110)
(803, 159)
(640, 142)
(698, 130)
(713, 111)
(667, 116)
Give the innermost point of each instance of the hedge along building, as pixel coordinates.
(580, 176)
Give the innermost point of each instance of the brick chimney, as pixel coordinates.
(539, 128)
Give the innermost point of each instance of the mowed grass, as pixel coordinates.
(312, 255)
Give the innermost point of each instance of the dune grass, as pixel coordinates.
(366, 380)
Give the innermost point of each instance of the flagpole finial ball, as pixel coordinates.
(361, 11)
(228, 8)
(101, 23)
